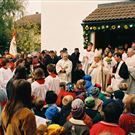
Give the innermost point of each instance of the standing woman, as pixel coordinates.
(17, 118)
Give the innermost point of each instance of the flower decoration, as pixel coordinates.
(126, 27)
(94, 28)
(113, 27)
(86, 27)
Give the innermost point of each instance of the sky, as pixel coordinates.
(61, 21)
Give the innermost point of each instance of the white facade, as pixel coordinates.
(61, 23)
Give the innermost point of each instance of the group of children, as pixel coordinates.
(63, 108)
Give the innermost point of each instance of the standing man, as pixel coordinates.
(64, 68)
(130, 61)
(97, 70)
(120, 71)
(75, 57)
(88, 57)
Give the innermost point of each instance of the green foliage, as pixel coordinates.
(28, 37)
(9, 11)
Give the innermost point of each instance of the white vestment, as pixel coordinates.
(130, 62)
(5, 76)
(116, 80)
(87, 60)
(67, 65)
(39, 90)
(98, 73)
(53, 83)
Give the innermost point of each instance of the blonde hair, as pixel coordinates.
(123, 86)
(80, 84)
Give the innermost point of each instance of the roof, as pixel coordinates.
(35, 18)
(113, 11)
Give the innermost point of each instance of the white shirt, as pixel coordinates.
(39, 90)
(53, 83)
(5, 76)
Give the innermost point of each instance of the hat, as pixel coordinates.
(77, 108)
(67, 99)
(119, 94)
(95, 91)
(98, 85)
(55, 129)
(64, 49)
(69, 86)
(90, 102)
(51, 112)
(51, 97)
(98, 53)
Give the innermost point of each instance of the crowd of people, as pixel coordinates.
(46, 94)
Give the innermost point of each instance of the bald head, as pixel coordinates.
(130, 52)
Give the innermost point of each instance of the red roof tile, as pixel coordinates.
(113, 11)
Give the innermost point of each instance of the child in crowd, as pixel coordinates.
(80, 89)
(66, 109)
(90, 109)
(76, 125)
(98, 102)
(51, 98)
(112, 113)
(38, 104)
(119, 95)
(39, 87)
(5, 73)
(88, 83)
(53, 129)
(52, 80)
(127, 120)
(78, 73)
(65, 89)
(52, 114)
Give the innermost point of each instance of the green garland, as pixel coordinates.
(87, 29)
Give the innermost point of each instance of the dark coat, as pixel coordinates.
(76, 127)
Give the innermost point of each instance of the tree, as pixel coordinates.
(9, 11)
(28, 37)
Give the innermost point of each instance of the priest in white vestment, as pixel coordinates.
(64, 68)
(130, 62)
(97, 70)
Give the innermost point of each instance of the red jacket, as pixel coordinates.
(127, 122)
(62, 94)
(102, 126)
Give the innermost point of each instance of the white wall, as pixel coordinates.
(61, 23)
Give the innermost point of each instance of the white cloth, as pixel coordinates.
(53, 83)
(5, 76)
(67, 65)
(124, 56)
(117, 79)
(96, 72)
(40, 120)
(39, 90)
(130, 62)
(87, 60)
